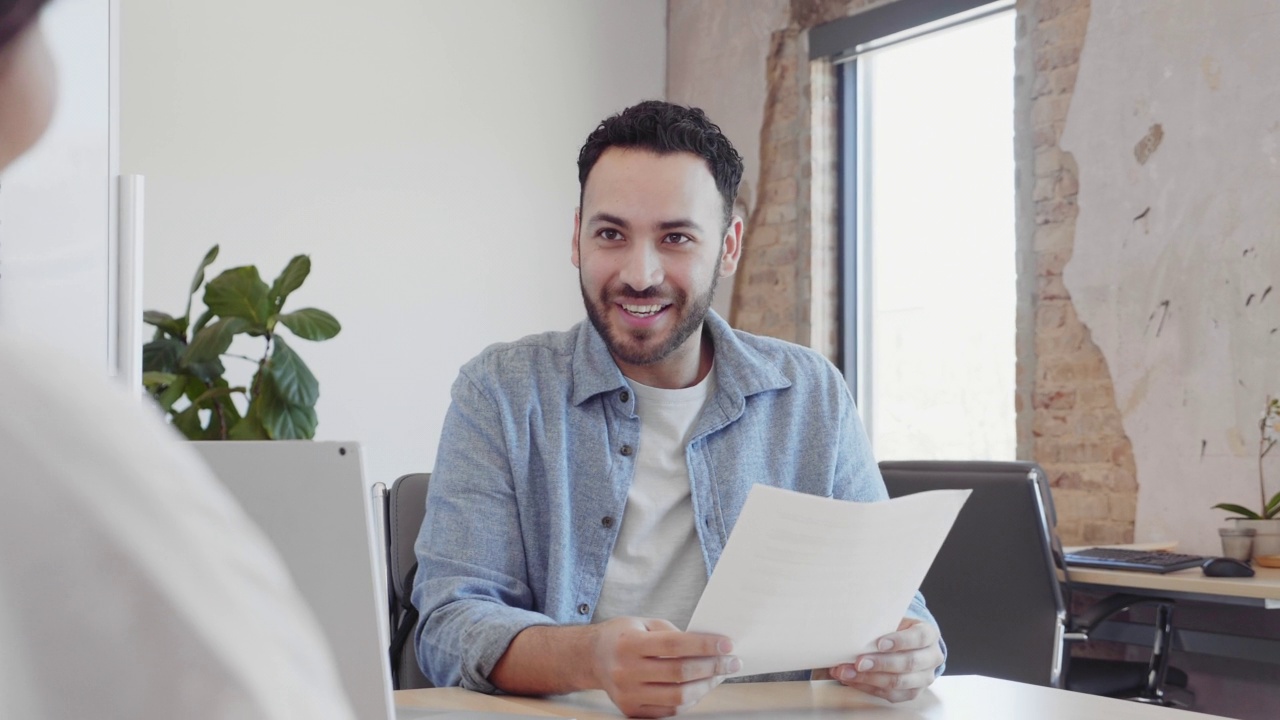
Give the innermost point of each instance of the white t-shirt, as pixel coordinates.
(656, 569)
(131, 583)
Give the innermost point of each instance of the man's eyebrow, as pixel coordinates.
(680, 224)
(607, 218)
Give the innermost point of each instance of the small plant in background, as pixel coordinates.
(1268, 434)
(182, 364)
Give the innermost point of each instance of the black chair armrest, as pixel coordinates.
(1109, 606)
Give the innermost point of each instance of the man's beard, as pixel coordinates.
(692, 315)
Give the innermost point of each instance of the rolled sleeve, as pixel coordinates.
(484, 631)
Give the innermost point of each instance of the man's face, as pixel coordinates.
(650, 245)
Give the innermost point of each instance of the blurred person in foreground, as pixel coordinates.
(131, 583)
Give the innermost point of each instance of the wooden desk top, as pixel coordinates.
(1263, 586)
(963, 697)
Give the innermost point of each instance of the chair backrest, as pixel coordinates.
(993, 587)
(406, 506)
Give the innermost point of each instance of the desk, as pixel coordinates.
(1261, 590)
(961, 697)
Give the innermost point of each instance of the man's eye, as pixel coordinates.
(610, 234)
(676, 239)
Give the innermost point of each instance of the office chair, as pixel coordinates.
(995, 592)
(406, 505)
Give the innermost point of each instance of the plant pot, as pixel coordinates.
(1267, 539)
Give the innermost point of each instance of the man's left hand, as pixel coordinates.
(904, 666)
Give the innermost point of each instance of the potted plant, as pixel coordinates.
(183, 369)
(1266, 521)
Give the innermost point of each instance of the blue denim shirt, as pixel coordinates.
(537, 456)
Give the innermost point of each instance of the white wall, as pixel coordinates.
(422, 152)
(1175, 249)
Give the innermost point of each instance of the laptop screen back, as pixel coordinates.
(311, 500)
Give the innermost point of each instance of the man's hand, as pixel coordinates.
(904, 666)
(651, 669)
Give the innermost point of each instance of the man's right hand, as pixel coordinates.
(652, 669)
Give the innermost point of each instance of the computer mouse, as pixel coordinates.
(1226, 567)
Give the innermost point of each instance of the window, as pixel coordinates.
(928, 269)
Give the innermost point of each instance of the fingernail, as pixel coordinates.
(885, 644)
(725, 646)
(865, 664)
(847, 673)
(735, 665)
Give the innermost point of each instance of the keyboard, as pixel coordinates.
(1140, 560)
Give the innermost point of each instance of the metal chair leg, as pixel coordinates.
(1154, 690)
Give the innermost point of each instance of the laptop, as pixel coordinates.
(312, 501)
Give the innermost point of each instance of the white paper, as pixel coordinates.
(811, 582)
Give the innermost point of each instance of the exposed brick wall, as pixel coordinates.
(781, 268)
(1077, 432)
(1075, 427)
(766, 296)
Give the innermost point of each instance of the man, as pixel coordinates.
(587, 481)
(131, 584)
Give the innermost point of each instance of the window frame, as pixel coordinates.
(841, 42)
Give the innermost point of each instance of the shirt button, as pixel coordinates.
(626, 451)
(583, 609)
(607, 521)
(624, 396)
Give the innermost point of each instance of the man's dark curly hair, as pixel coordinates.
(665, 128)
(15, 16)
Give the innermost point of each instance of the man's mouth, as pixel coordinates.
(642, 310)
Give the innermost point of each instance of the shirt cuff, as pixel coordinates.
(487, 640)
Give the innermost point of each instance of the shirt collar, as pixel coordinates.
(741, 370)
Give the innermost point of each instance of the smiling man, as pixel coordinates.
(587, 481)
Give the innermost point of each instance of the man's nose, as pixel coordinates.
(642, 267)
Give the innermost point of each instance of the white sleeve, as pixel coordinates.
(131, 583)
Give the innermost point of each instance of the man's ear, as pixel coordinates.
(577, 225)
(732, 247)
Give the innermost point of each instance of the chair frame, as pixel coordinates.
(1068, 629)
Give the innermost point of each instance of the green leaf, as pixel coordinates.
(250, 426)
(196, 388)
(177, 327)
(152, 379)
(173, 393)
(1273, 507)
(294, 274)
(188, 423)
(209, 397)
(311, 324)
(297, 385)
(239, 293)
(213, 340)
(198, 280)
(210, 373)
(283, 420)
(201, 321)
(164, 355)
(1237, 509)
